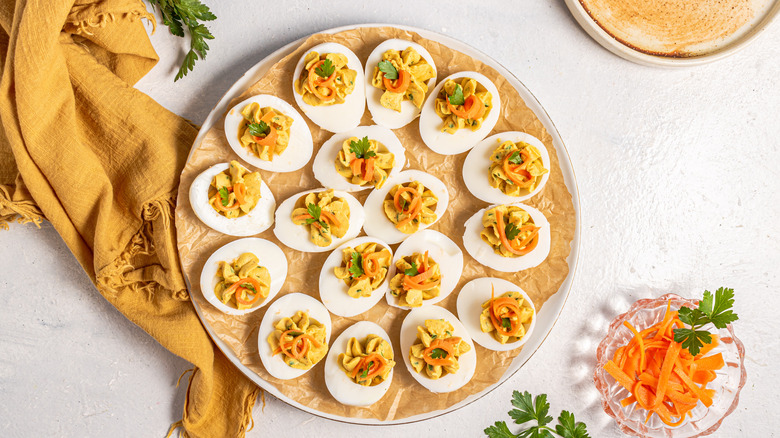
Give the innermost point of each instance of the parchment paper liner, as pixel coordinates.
(406, 397)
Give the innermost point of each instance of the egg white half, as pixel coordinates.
(341, 387)
(442, 250)
(470, 300)
(286, 306)
(333, 291)
(385, 116)
(325, 162)
(298, 151)
(297, 236)
(378, 225)
(464, 139)
(476, 167)
(468, 361)
(338, 117)
(484, 254)
(270, 256)
(256, 221)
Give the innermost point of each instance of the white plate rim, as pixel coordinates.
(613, 45)
(552, 308)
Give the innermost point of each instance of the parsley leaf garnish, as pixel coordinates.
(361, 148)
(325, 69)
(224, 196)
(457, 98)
(439, 353)
(511, 231)
(506, 323)
(388, 69)
(516, 158)
(176, 14)
(356, 270)
(715, 309)
(315, 211)
(535, 410)
(411, 272)
(258, 129)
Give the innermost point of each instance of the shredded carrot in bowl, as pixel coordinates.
(661, 376)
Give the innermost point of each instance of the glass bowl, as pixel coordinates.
(701, 420)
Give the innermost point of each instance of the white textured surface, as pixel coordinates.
(679, 182)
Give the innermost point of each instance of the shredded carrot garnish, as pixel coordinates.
(661, 376)
(399, 85)
(473, 108)
(504, 307)
(444, 344)
(520, 248)
(372, 365)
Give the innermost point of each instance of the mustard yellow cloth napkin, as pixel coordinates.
(101, 161)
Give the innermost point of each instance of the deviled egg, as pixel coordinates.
(497, 325)
(426, 268)
(318, 220)
(409, 201)
(507, 167)
(359, 366)
(431, 336)
(232, 200)
(329, 86)
(293, 335)
(399, 75)
(269, 133)
(354, 277)
(508, 238)
(243, 275)
(359, 159)
(461, 111)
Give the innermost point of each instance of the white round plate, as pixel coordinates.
(754, 28)
(547, 316)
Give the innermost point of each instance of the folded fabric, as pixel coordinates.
(101, 161)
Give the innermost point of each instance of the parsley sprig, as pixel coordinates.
(511, 231)
(388, 69)
(412, 271)
(516, 158)
(356, 270)
(536, 410)
(259, 129)
(315, 211)
(361, 148)
(457, 98)
(224, 196)
(177, 14)
(715, 309)
(325, 69)
(439, 353)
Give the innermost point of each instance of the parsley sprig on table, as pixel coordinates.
(715, 309)
(315, 211)
(457, 98)
(536, 410)
(388, 69)
(178, 14)
(361, 148)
